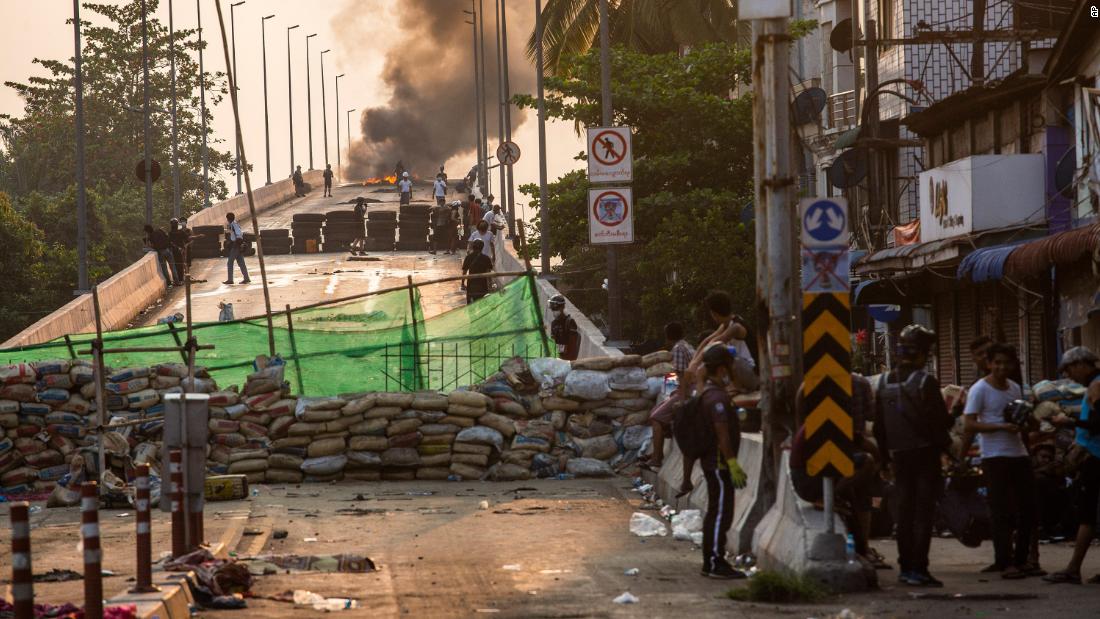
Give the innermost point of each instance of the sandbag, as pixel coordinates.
(164, 382)
(320, 404)
(262, 401)
(399, 400)
(368, 443)
(635, 419)
(19, 475)
(343, 423)
(76, 404)
(588, 467)
(461, 410)
(364, 458)
(304, 428)
(383, 412)
(52, 366)
(221, 398)
(430, 402)
(512, 409)
(536, 428)
(561, 404)
(9, 420)
(18, 393)
(500, 423)
(627, 379)
(558, 419)
(44, 459)
(470, 448)
(291, 441)
(403, 426)
(433, 473)
(521, 458)
(533, 444)
(280, 408)
(279, 427)
(256, 465)
(400, 456)
(474, 459)
(219, 454)
(237, 455)
(257, 417)
(359, 406)
(55, 381)
(462, 422)
(635, 437)
(371, 427)
(600, 447)
(437, 439)
(82, 374)
(509, 472)
(432, 460)
(624, 361)
(431, 416)
(611, 412)
(325, 447)
(8, 406)
(35, 409)
(659, 369)
(253, 430)
(319, 415)
(325, 465)
(198, 385)
(601, 364)
(653, 358)
(549, 371)
(284, 461)
(283, 476)
(586, 385)
(481, 435)
(233, 439)
(410, 439)
(262, 385)
(223, 426)
(432, 450)
(468, 398)
(465, 471)
(126, 386)
(433, 429)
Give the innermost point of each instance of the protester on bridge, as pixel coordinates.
(406, 187)
(482, 234)
(236, 249)
(1006, 465)
(328, 180)
(476, 263)
(563, 329)
(299, 183)
(179, 240)
(440, 189)
(732, 328)
(1080, 365)
(660, 419)
(722, 472)
(442, 174)
(911, 429)
(456, 221)
(157, 240)
(441, 226)
(497, 222)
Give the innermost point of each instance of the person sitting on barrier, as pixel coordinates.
(157, 240)
(731, 330)
(911, 429)
(660, 419)
(476, 263)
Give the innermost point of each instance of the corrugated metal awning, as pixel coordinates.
(985, 264)
(1034, 259)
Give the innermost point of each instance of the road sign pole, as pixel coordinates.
(614, 303)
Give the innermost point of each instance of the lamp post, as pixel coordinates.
(338, 164)
(233, 36)
(290, 96)
(484, 137)
(81, 194)
(202, 113)
(477, 94)
(175, 127)
(349, 129)
(309, 101)
(145, 117)
(324, 119)
(544, 209)
(267, 126)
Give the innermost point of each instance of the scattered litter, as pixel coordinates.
(123, 515)
(685, 523)
(631, 572)
(511, 567)
(555, 571)
(56, 575)
(309, 598)
(488, 610)
(309, 540)
(626, 598)
(279, 534)
(697, 538)
(344, 564)
(644, 525)
(974, 597)
(483, 505)
(420, 493)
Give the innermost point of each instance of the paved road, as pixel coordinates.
(304, 279)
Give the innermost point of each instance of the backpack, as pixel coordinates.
(693, 431)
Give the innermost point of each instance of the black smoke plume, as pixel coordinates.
(429, 118)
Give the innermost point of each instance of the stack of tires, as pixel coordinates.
(414, 227)
(341, 228)
(307, 227)
(206, 241)
(381, 230)
(276, 241)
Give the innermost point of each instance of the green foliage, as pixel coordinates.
(692, 180)
(802, 27)
(779, 588)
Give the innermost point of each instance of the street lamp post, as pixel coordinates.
(81, 194)
(202, 113)
(324, 119)
(233, 36)
(477, 94)
(290, 96)
(175, 127)
(544, 208)
(338, 164)
(507, 98)
(267, 126)
(349, 129)
(145, 116)
(309, 102)
(484, 137)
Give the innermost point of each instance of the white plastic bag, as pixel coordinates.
(644, 525)
(549, 371)
(686, 523)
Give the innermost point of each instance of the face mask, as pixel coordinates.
(556, 313)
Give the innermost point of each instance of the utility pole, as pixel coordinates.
(338, 162)
(267, 125)
(501, 102)
(877, 201)
(175, 128)
(324, 119)
(614, 302)
(145, 116)
(977, 57)
(477, 91)
(202, 112)
(233, 35)
(290, 96)
(349, 128)
(309, 101)
(484, 137)
(81, 194)
(511, 196)
(544, 208)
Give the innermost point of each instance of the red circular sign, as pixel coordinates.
(609, 147)
(610, 208)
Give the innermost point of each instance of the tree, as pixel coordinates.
(572, 27)
(692, 182)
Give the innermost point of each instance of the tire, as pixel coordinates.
(420, 209)
(308, 217)
(381, 215)
(208, 230)
(413, 246)
(275, 233)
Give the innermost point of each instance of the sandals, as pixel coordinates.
(877, 560)
(1063, 578)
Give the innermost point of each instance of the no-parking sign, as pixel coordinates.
(610, 216)
(610, 155)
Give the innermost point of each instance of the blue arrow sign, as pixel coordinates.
(824, 222)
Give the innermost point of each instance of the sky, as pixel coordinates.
(360, 34)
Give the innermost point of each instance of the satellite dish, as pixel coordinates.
(848, 169)
(1063, 175)
(808, 105)
(841, 38)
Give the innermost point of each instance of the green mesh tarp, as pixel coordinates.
(376, 343)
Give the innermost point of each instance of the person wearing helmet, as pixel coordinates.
(406, 187)
(564, 330)
(911, 429)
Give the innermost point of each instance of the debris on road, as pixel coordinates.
(309, 598)
(644, 525)
(626, 598)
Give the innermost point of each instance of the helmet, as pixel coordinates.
(404, 175)
(915, 339)
(557, 302)
(715, 356)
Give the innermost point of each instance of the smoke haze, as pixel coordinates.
(429, 118)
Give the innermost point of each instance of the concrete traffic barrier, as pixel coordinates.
(22, 579)
(175, 476)
(144, 543)
(93, 554)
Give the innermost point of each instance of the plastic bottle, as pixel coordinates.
(850, 548)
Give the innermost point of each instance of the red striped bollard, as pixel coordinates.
(93, 555)
(22, 579)
(179, 522)
(144, 544)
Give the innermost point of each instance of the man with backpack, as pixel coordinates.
(911, 428)
(707, 428)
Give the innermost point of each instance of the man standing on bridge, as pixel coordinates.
(440, 190)
(299, 183)
(328, 181)
(236, 249)
(406, 187)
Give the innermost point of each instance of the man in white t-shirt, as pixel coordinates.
(440, 190)
(1006, 464)
(406, 187)
(482, 234)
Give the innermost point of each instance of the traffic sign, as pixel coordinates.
(825, 269)
(154, 168)
(610, 155)
(824, 222)
(508, 153)
(827, 383)
(610, 216)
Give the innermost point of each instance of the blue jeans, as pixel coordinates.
(235, 255)
(167, 265)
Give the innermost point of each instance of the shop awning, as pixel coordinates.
(878, 292)
(905, 257)
(985, 264)
(1034, 259)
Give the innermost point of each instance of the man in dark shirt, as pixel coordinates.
(911, 428)
(719, 463)
(441, 225)
(157, 240)
(179, 239)
(474, 264)
(299, 182)
(328, 181)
